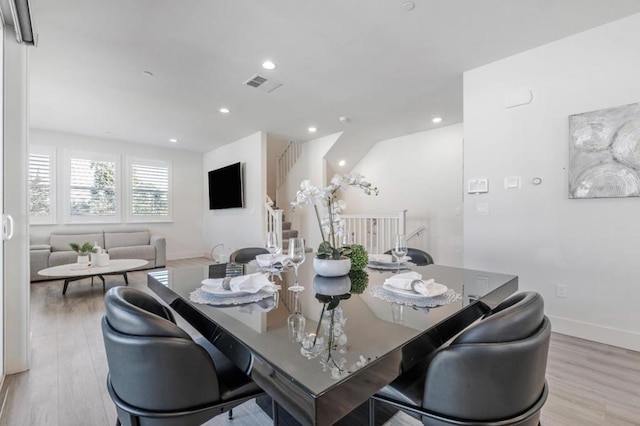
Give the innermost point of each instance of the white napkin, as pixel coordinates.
(252, 283)
(403, 282)
(265, 260)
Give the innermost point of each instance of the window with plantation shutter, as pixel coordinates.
(42, 187)
(149, 190)
(92, 185)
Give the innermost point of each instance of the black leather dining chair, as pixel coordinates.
(247, 254)
(419, 257)
(158, 375)
(492, 374)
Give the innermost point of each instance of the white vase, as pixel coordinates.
(331, 286)
(331, 267)
(83, 259)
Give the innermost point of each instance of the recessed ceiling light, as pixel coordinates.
(342, 163)
(268, 65)
(436, 120)
(408, 6)
(312, 129)
(173, 140)
(224, 110)
(147, 73)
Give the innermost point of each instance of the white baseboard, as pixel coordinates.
(597, 333)
(186, 255)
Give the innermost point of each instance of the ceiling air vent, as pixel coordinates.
(256, 81)
(263, 83)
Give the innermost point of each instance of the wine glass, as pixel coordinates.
(272, 246)
(296, 322)
(296, 254)
(399, 248)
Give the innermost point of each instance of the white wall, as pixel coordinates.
(184, 233)
(243, 227)
(275, 147)
(537, 232)
(311, 165)
(420, 173)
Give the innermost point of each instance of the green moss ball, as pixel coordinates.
(358, 255)
(359, 281)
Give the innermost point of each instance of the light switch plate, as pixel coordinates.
(512, 182)
(477, 186)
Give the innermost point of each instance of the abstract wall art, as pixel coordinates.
(604, 153)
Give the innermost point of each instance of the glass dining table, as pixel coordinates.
(322, 352)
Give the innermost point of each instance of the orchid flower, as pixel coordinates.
(331, 224)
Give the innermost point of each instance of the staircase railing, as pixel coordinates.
(375, 232)
(274, 219)
(286, 161)
(416, 232)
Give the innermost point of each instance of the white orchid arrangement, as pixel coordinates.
(331, 224)
(331, 325)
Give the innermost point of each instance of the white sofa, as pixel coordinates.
(120, 243)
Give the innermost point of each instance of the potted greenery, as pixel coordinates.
(82, 250)
(330, 260)
(358, 255)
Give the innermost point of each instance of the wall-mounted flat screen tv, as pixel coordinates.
(225, 187)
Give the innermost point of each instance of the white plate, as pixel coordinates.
(390, 266)
(221, 292)
(266, 268)
(266, 259)
(386, 259)
(435, 290)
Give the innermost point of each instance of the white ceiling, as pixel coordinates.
(386, 69)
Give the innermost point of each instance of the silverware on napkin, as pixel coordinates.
(421, 287)
(226, 283)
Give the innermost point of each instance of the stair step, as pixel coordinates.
(286, 226)
(285, 246)
(292, 233)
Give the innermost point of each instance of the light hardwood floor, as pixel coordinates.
(590, 383)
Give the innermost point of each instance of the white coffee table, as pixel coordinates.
(78, 271)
